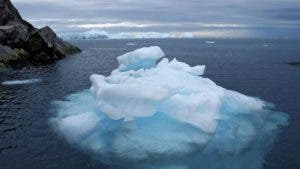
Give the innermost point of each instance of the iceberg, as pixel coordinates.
(95, 34)
(152, 112)
(20, 82)
(131, 44)
(210, 42)
(90, 35)
(140, 58)
(139, 35)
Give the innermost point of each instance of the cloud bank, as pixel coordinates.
(165, 15)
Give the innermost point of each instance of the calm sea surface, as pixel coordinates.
(252, 67)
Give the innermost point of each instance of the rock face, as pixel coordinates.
(21, 42)
(7, 54)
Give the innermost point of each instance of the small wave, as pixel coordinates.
(20, 82)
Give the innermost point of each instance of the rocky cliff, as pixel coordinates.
(20, 42)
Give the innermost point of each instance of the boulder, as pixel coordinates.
(44, 42)
(41, 40)
(20, 40)
(14, 34)
(63, 48)
(7, 54)
(15, 58)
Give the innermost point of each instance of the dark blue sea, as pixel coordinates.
(253, 67)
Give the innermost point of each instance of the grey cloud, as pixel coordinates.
(252, 13)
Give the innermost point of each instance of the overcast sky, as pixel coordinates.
(257, 17)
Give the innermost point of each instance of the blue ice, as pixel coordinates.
(165, 115)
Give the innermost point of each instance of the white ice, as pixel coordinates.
(91, 34)
(20, 82)
(210, 42)
(99, 34)
(131, 44)
(140, 58)
(155, 113)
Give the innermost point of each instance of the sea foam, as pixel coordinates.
(166, 115)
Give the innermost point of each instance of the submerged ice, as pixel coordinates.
(155, 113)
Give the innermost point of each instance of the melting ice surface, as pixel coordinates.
(166, 115)
(20, 82)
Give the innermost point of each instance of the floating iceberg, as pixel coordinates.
(210, 42)
(143, 58)
(139, 35)
(155, 113)
(20, 82)
(98, 34)
(91, 34)
(131, 44)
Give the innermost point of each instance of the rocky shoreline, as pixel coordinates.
(22, 43)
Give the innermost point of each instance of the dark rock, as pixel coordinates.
(12, 57)
(63, 48)
(41, 40)
(44, 41)
(3, 38)
(23, 54)
(8, 13)
(43, 57)
(15, 34)
(7, 55)
(21, 41)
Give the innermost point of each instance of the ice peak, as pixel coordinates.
(143, 58)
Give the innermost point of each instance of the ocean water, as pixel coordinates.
(252, 67)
